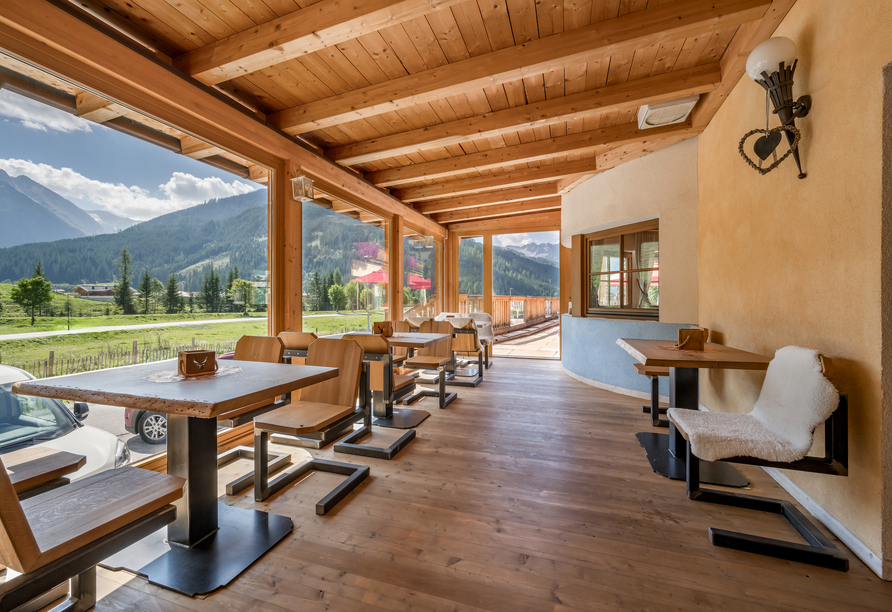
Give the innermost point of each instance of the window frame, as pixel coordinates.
(624, 273)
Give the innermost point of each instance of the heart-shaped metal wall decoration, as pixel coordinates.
(766, 144)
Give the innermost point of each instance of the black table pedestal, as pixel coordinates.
(666, 452)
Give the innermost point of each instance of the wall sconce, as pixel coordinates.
(302, 189)
(772, 64)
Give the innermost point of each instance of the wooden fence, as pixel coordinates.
(512, 311)
(427, 308)
(57, 366)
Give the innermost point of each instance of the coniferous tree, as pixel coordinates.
(230, 300)
(191, 301)
(145, 288)
(38, 273)
(157, 292)
(123, 296)
(172, 295)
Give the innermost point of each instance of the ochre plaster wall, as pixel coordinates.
(660, 185)
(785, 261)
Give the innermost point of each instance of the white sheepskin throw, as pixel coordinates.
(795, 399)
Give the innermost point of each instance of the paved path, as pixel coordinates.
(89, 330)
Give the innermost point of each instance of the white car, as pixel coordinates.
(37, 421)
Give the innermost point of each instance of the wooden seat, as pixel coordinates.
(47, 528)
(467, 342)
(320, 405)
(796, 397)
(37, 469)
(654, 372)
(436, 356)
(296, 345)
(268, 349)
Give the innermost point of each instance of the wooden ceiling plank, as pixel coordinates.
(517, 194)
(654, 89)
(297, 34)
(499, 210)
(523, 153)
(610, 38)
(170, 39)
(515, 222)
(487, 183)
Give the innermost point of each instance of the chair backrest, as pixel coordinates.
(345, 355)
(18, 546)
(483, 318)
(440, 349)
(268, 349)
(796, 397)
(297, 341)
(466, 342)
(373, 345)
(401, 327)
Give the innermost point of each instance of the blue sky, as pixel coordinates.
(97, 167)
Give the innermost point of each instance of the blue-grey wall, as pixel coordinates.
(589, 349)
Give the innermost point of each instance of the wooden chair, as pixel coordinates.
(61, 535)
(320, 405)
(654, 373)
(487, 338)
(796, 397)
(296, 345)
(400, 353)
(266, 349)
(437, 356)
(467, 342)
(385, 388)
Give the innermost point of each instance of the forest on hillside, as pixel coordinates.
(513, 273)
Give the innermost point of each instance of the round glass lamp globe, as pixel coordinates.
(768, 55)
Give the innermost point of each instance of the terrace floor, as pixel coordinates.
(545, 344)
(528, 493)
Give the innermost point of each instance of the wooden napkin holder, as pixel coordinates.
(197, 363)
(383, 328)
(693, 339)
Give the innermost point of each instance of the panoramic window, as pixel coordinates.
(525, 278)
(623, 270)
(470, 275)
(419, 276)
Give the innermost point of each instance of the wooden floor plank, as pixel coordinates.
(529, 492)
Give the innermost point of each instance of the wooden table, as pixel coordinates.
(209, 544)
(36, 469)
(405, 418)
(666, 453)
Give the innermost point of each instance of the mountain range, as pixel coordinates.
(545, 250)
(39, 214)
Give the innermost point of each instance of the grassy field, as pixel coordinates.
(20, 351)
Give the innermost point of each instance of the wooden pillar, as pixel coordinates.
(285, 253)
(576, 272)
(395, 234)
(440, 275)
(487, 273)
(566, 289)
(450, 303)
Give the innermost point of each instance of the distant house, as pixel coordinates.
(99, 293)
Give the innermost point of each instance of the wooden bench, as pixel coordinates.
(61, 535)
(320, 405)
(779, 432)
(654, 373)
(38, 469)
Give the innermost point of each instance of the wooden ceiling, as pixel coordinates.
(474, 109)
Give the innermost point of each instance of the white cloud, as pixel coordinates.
(514, 239)
(37, 116)
(181, 191)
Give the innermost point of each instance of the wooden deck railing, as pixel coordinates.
(427, 308)
(512, 311)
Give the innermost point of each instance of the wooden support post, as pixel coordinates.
(440, 276)
(396, 231)
(285, 253)
(566, 288)
(576, 273)
(487, 273)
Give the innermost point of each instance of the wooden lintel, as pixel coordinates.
(98, 109)
(516, 194)
(540, 220)
(524, 153)
(625, 96)
(198, 149)
(298, 34)
(258, 174)
(598, 41)
(499, 210)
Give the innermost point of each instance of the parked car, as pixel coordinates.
(38, 421)
(151, 427)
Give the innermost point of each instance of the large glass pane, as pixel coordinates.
(645, 292)
(419, 276)
(642, 249)
(604, 255)
(470, 275)
(525, 278)
(605, 291)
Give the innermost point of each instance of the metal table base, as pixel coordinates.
(402, 418)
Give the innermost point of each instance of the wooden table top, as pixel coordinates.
(413, 340)
(32, 467)
(649, 353)
(204, 397)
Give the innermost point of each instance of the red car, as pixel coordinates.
(151, 426)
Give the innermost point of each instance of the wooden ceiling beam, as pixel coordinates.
(539, 190)
(488, 183)
(540, 220)
(626, 34)
(197, 148)
(297, 34)
(526, 152)
(98, 109)
(626, 96)
(499, 210)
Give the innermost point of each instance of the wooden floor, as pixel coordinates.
(527, 493)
